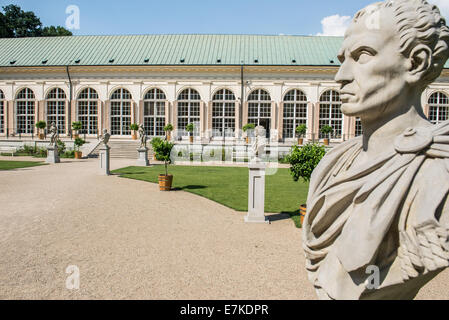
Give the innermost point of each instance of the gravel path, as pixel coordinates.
(131, 241)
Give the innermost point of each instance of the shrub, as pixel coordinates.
(61, 147)
(70, 154)
(249, 126)
(155, 141)
(301, 130)
(168, 128)
(41, 124)
(190, 127)
(163, 152)
(134, 127)
(326, 130)
(79, 143)
(77, 125)
(303, 160)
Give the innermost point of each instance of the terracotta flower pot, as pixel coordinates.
(78, 154)
(326, 141)
(134, 136)
(168, 137)
(191, 139)
(300, 141)
(247, 140)
(41, 136)
(165, 182)
(302, 213)
(76, 136)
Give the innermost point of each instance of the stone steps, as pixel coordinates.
(124, 149)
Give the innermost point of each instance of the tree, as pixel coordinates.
(53, 31)
(303, 160)
(16, 23)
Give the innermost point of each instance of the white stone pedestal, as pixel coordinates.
(142, 160)
(104, 160)
(256, 193)
(52, 155)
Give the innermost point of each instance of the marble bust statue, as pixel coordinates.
(104, 138)
(380, 201)
(259, 143)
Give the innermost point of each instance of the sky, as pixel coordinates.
(271, 17)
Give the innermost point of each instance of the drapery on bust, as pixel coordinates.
(381, 200)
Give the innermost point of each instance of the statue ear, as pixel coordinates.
(419, 63)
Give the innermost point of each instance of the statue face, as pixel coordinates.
(372, 74)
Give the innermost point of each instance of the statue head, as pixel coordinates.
(391, 52)
(260, 131)
(105, 131)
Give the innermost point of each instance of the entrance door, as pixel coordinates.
(266, 124)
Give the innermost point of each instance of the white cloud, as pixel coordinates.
(443, 5)
(335, 25)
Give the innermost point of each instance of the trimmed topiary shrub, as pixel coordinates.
(303, 160)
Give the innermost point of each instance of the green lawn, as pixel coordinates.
(229, 186)
(10, 165)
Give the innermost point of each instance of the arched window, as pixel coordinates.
(358, 127)
(295, 112)
(438, 107)
(55, 101)
(25, 106)
(189, 110)
(88, 111)
(330, 113)
(154, 112)
(259, 109)
(2, 112)
(223, 114)
(121, 112)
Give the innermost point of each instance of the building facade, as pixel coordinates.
(218, 83)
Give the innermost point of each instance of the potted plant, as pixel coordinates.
(155, 141)
(326, 130)
(303, 160)
(189, 128)
(246, 127)
(301, 132)
(78, 144)
(134, 127)
(41, 125)
(168, 129)
(163, 151)
(76, 126)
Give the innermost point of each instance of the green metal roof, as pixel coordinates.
(196, 49)
(170, 50)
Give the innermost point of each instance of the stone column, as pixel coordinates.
(104, 160)
(100, 116)
(273, 121)
(238, 129)
(141, 109)
(41, 112)
(168, 113)
(316, 121)
(10, 117)
(107, 112)
(142, 159)
(203, 116)
(175, 119)
(209, 120)
(245, 114)
(66, 113)
(52, 154)
(256, 193)
(281, 121)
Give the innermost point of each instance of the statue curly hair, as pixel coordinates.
(418, 22)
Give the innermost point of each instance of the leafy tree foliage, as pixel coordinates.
(16, 23)
(303, 160)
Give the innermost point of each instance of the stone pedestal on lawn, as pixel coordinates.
(142, 160)
(256, 193)
(104, 160)
(52, 155)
